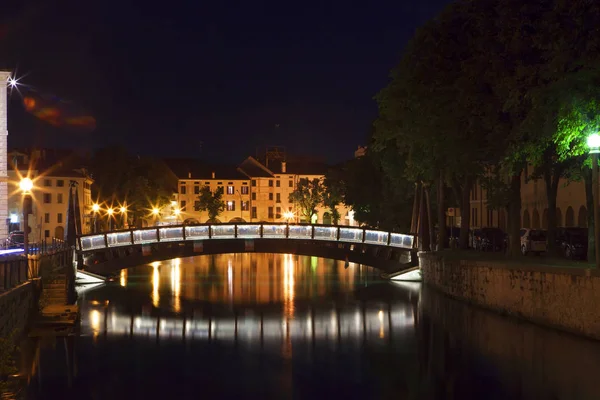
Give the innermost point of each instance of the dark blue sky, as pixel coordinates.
(210, 80)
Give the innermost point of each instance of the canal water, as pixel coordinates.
(277, 326)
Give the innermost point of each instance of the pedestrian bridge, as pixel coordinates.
(107, 252)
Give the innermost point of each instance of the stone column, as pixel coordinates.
(3, 155)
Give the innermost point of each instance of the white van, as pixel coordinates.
(533, 241)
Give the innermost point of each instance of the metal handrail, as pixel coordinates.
(248, 230)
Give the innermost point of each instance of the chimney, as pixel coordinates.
(213, 175)
(189, 175)
(283, 167)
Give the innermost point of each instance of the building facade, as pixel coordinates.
(571, 210)
(252, 192)
(4, 76)
(50, 195)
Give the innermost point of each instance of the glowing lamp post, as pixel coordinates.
(177, 213)
(95, 210)
(288, 216)
(123, 211)
(155, 212)
(26, 186)
(110, 213)
(593, 142)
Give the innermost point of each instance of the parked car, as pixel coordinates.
(573, 242)
(15, 240)
(533, 241)
(489, 239)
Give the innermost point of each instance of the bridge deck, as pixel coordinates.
(178, 233)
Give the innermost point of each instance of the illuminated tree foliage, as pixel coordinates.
(212, 202)
(488, 86)
(307, 196)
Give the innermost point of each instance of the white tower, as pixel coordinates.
(4, 75)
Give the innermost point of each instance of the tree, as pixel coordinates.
(212, 202)
(333, 193)
(138, 182)
(308, 195)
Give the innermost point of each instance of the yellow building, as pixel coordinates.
(252, 191)
(52, 179)
(571, 208)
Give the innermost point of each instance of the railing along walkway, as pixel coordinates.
(176, 233)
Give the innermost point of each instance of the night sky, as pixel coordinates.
(212, 80)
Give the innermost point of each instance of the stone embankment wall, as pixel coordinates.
(16, 306)
(564, 298)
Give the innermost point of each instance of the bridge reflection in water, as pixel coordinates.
(249, 297)
(349, 323)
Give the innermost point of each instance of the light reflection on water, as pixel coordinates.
(282, 326)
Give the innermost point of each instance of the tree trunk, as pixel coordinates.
(441, 240)
(424, 239)
(514, 216)
(589, 200)
(465, 213)
(551, 179)
(415, 214)
(427, 190)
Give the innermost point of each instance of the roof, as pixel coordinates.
(253, 169)
(190, 168)
(300, 167)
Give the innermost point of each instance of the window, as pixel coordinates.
(46, 233)
(278, 198)
(47, 218)
(221, 188)
(254, 196)
(59, 218)
(270, 182)
(219, 183)
(245, 189)
(270, 212)
(47, 182)
(253, 213)
(278, 212)
(253, 182)
(278, 183)
(291, 183)
(182, 189)
(47, 198)
(197, 205)
(59, 198)
(245, 206)
(61, 183)
(196, 189)
(183, 204)
(270, 196)
(230, 189)
(231, 205)
(207, 183)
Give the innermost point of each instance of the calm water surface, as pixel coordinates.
(284, 326)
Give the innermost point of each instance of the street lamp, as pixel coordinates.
(95, 210)
(593, 142)
(26, 186)
(288, 215)
(110, 213)
(177, 213)
(123, 211)
(155, 212)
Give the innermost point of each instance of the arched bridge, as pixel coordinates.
(107, 252)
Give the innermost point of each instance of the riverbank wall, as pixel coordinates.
(564, 298)
(17, 305)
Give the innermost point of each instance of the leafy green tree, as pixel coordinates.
(308, 195)
(212, 202)
(333, 193)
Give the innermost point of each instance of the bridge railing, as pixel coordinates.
(178, 233)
